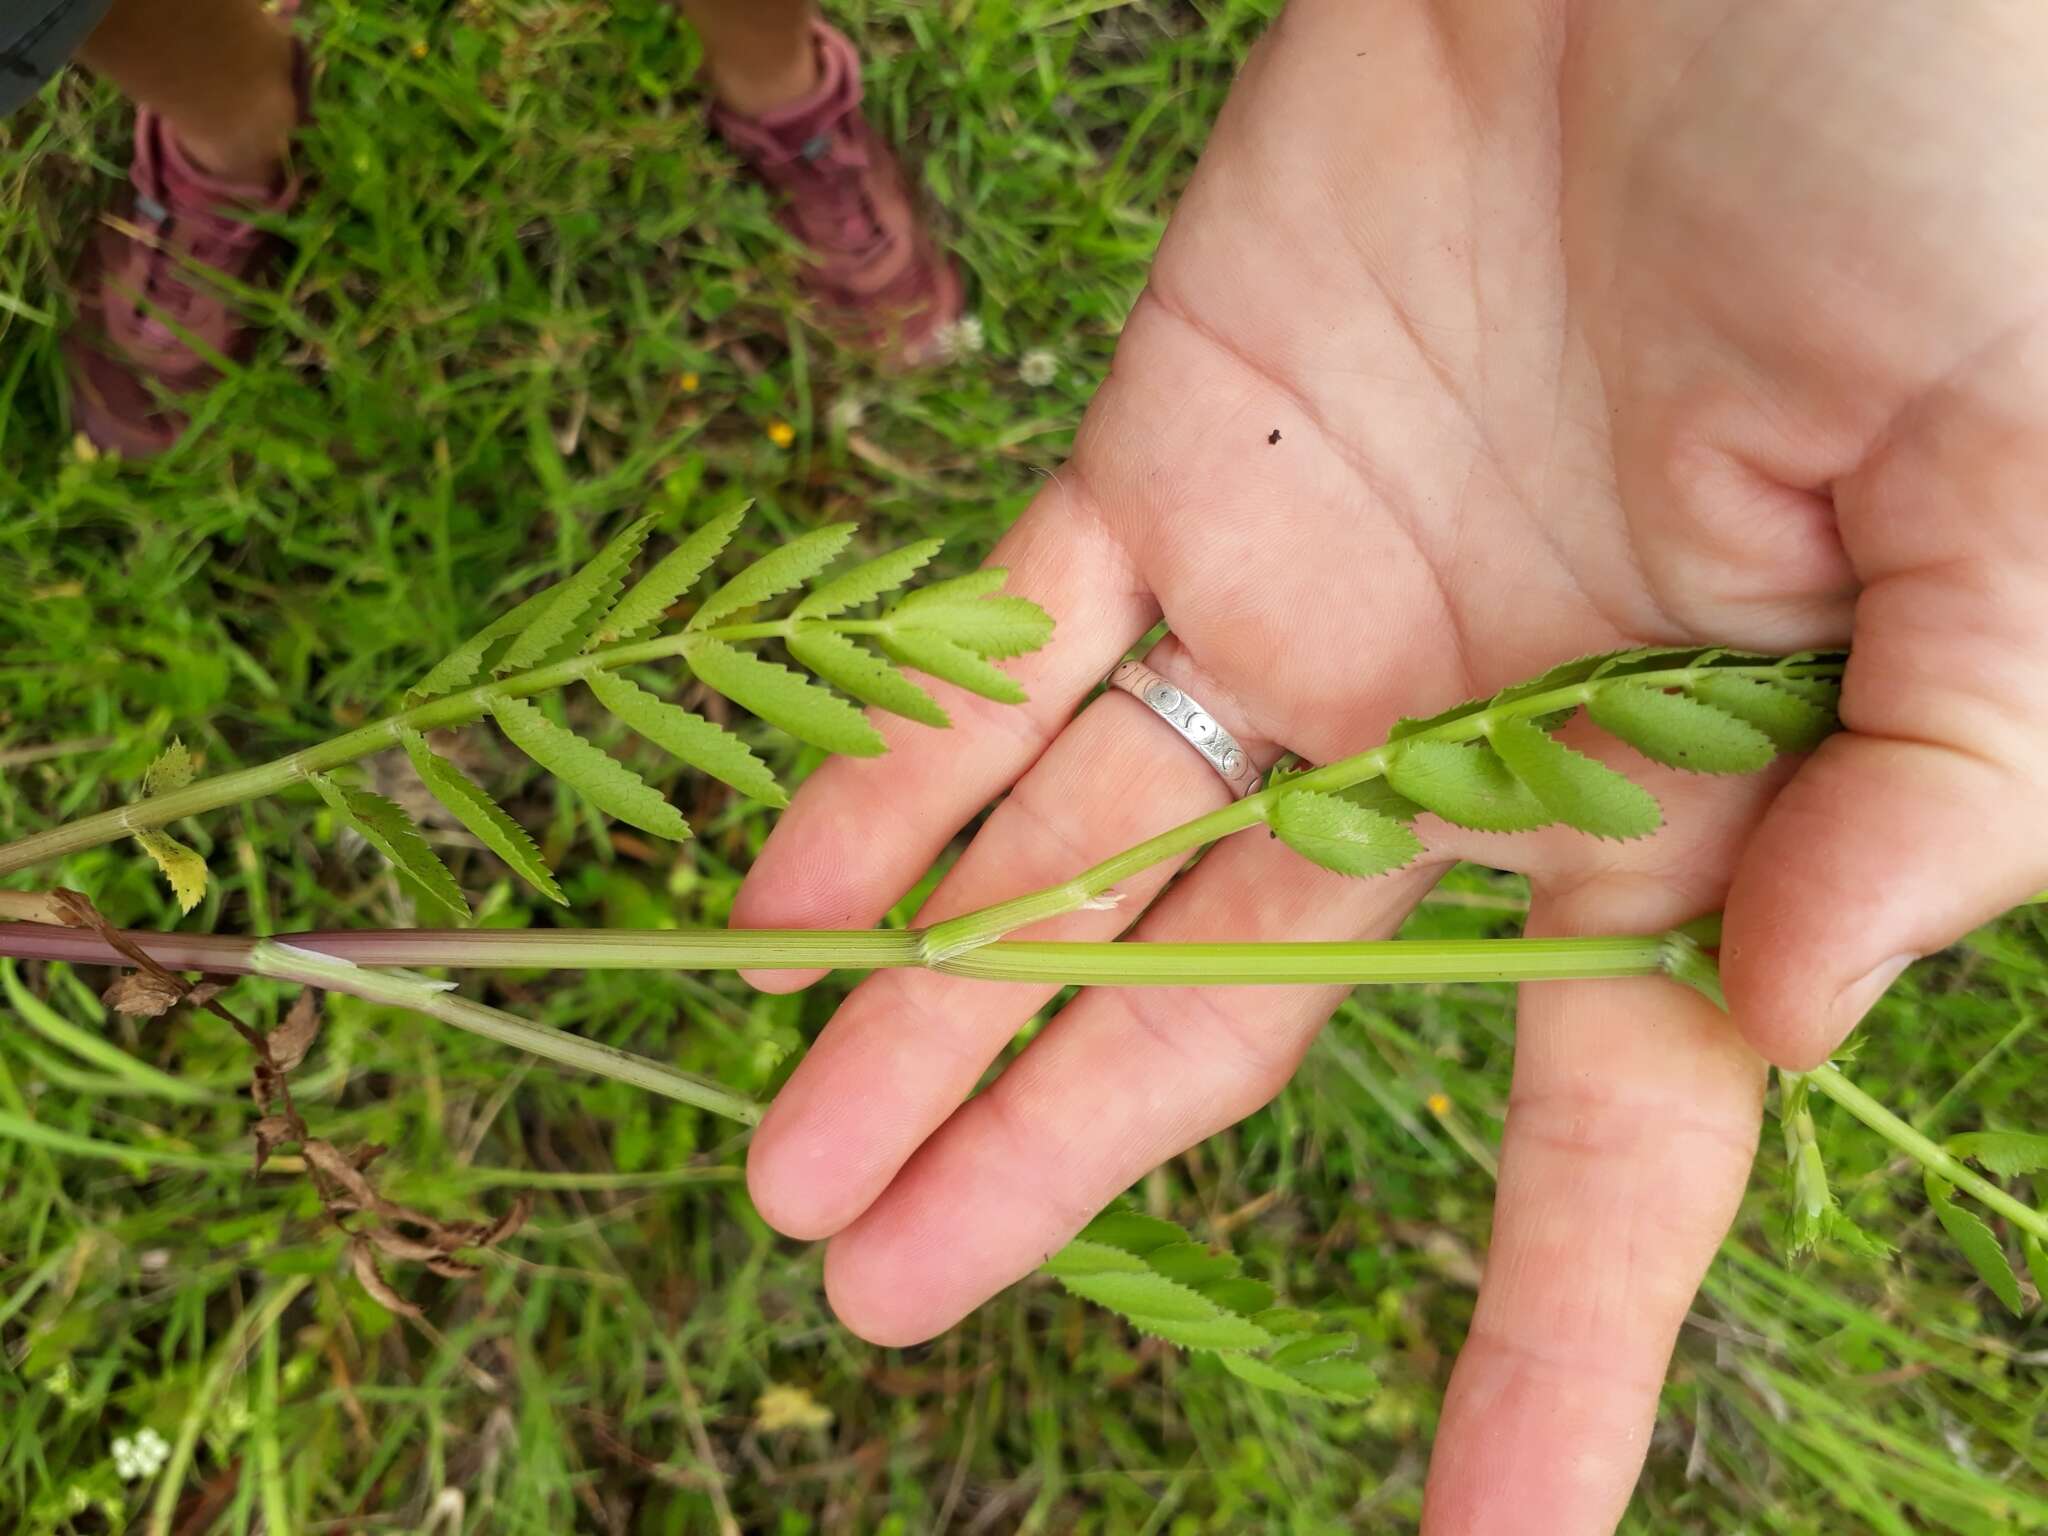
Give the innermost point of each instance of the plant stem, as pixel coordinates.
(452, 709)
(271, 958)
(1129, 964)
(946, 941)
(1830, 1081)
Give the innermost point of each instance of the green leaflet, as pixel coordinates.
(1467, 786)
(1180, 1290)
(954, 590)
(2009, 1154)
(1794, 723)
(171, 769)
(1333, 1381)
(610, 785)
(1572, 787)
(578, 605)
(1166, 1308)
(1343, 836)
(989, 626)
(185, 870)
(386, 828)
(2037, 1262)
(941, 658)
(1378, 795)
(782, 698)
(1132, 1231)
(775, 573)
(1978, 1244)
(1683, 733)
(708, 748)
(856, 670)
(868, 580)
(485, 818)
(461, 664)
(674, 574)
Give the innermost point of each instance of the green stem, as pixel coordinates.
(1829, 1080)
(435, 714)
(1127, 964)
(945, 941)
(285, 963)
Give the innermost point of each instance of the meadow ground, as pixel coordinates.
(529, 299)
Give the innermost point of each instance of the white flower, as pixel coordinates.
(962, 338)
(847, 413)
(1038, 368)
(141, 1458)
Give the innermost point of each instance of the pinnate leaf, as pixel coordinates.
(486, 819)
(463, 663)
(386, 827)
(650, 598)
(1683, 733)
(856, 670)
(868, 580)
(1341, 835)
(782, 698)
(939, 657)
(578, 605)
(708, 748)
(775, 573)
(1572, 787)
(610, 785)
(1467, 786)
(1794, 723)
(1978, 1244)
(2009, 1154)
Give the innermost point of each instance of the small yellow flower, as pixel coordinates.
(419, 50)
(690, 382)
(781, 433)
(1439, 1104)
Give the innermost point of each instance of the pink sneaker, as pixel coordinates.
(144, 280)
(875, 269)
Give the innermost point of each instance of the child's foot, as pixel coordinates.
(875, 269)
(152, 316)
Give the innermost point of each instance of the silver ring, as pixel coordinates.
(1196, 726)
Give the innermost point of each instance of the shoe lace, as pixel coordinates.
(179, 237)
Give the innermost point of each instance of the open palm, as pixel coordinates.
(1488, 336)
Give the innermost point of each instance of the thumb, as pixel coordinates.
(1928, 814)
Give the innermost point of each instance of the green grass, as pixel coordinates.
(516, 247)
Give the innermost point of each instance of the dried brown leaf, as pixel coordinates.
(332, 1164)
(270, 1132)
(509, 1224)
(364, 1261)
(396, 1245)
(290, 1041)
(454, 1269)
(143, 996)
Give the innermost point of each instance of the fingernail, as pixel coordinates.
(1859, 997)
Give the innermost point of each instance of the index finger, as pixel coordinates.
(861, 831)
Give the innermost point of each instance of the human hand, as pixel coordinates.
(1581, 327)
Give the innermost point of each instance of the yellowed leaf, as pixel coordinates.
(181, 866)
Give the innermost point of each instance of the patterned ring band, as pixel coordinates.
(1197, 727)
